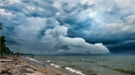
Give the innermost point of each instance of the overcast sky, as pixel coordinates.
(69, 26)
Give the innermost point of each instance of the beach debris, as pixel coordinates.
(33, 68)
(13, 71)
(6, 60)
(15, 59)
(26, 74)
(23, 70)
(25, 66)
(5, 72)
(44, 65)
(46, 73)
(16, 63)
(62, 66)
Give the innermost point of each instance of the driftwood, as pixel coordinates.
(33, 68)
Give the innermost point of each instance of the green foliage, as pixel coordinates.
(3, 49)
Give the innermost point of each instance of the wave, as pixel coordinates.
(31, 59)
(67, 68)
(88, 61)
(133, 64)
(105, 66)
(54, 65)
(125, 71)
(99, 59)
(58, 66)
(120, 70)
(74, 70)
(71, 65)
(48, 61)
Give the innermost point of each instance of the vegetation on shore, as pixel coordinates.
(3, 49)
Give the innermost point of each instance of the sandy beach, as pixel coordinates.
(18, 66)
(21, 67)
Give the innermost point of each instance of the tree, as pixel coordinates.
(2, 45)
(3, 49)
(7, 51)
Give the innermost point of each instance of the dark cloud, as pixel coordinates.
(11, 42)
(127, 47)
(65, 47)
(48, 26)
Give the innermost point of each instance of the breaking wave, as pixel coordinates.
(48, 61)
(67, 68)
(54, 65)
(31, 59)
(74, 70)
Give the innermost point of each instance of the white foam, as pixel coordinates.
(48, 61)
(31, 59)
(99, 59)
(83, 59)
(57, 66)
(74, 70)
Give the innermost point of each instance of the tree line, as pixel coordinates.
(4, 50)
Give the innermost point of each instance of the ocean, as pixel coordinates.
(87, 65)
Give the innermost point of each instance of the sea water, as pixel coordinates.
(86, 65)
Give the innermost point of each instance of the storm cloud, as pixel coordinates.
(70, 26)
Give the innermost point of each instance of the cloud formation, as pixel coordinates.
(58, 26)
(58, 37)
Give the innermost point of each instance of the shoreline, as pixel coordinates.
(51, 66)
(31, 66)
(23, 66)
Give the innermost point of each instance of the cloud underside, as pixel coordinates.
(57, 26)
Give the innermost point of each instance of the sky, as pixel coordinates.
(69, 26)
